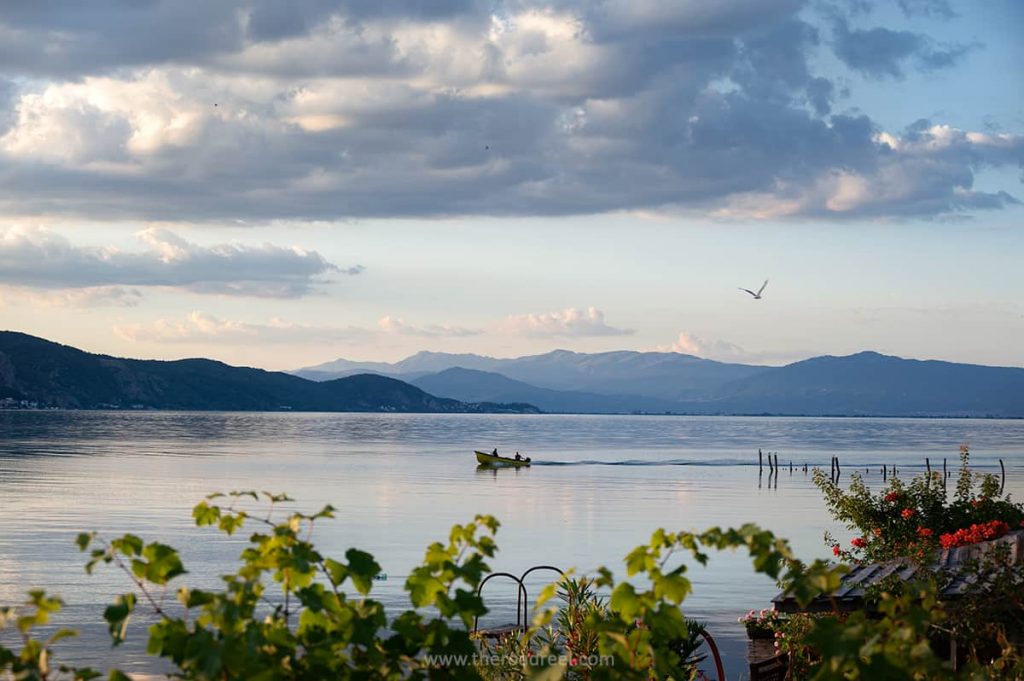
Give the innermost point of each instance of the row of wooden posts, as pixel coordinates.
(773, 469)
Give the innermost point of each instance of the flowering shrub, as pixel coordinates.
(974, 534)
(913, 520)
(761, 624)
(791, 639)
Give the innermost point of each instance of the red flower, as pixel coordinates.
(908, 513)
(975, 533)
(924, 532)
(877, 531)
(835, 550)
(892, 496)
(858, 542)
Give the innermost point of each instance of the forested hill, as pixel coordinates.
(58, 375)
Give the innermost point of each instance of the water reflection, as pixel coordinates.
(598, 487)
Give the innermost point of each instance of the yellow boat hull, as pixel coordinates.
(485, 459)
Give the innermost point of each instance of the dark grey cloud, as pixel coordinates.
(927, 8)
(317, 109)
(882, 52)
(66, 38)
(40, 259)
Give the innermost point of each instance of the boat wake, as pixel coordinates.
(648, 462)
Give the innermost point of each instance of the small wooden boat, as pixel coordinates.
(485, 459)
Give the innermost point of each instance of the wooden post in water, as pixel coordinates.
(838, 471)
(776, 469)
(885, 473)
(791, 467)
(928, 465)
(1002, 470)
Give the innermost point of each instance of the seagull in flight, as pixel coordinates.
(757, 296)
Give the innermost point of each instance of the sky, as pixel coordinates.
(280, 184)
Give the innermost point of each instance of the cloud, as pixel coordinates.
(927, 169)
(571, 322)
(724, 351)
(689, 344)
(94, 296)
(396, 325)
(41, 259)
(199, 327)
(204, 327)
(927, 8)
(880, 52)
(331, 110)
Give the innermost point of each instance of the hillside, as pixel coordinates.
(660, 375)
(61, 376)
(869, 383)
(863, 384)
(470, 385)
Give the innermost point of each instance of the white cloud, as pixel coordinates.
(690, 344)
(396, 325)
(202, 327)
(35, 257)
(94, 296)
(570, 322)
(723, 351)
(338, 110)
(205, 328)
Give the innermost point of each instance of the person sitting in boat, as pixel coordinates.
(518, 458)
(495, 452)
(527, 459)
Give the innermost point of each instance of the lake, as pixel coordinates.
(601, 485)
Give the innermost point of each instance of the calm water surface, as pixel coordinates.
(400, 481)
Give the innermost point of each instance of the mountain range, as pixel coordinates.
(54, 375)
(862, 384)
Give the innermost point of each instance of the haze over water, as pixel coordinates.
(600, 486)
